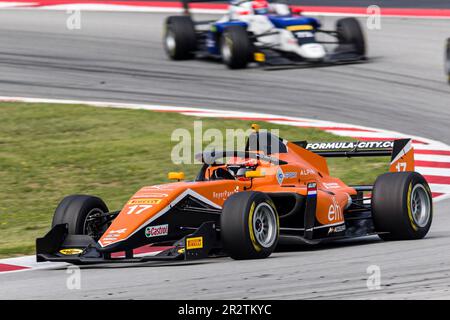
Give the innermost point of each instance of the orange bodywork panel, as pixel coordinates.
(292, 170)
(151, 202)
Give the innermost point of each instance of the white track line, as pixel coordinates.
(105, 7)
(429, 171)
(432, 157)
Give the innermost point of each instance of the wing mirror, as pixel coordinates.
(176, 176)
(254, 174)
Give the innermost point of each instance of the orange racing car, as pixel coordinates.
(244, 203)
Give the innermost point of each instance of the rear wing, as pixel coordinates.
(400, 151)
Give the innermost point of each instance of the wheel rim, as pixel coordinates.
(420, 206)
(265, 225)
(226, 50)
(93, 224)
(170, 42)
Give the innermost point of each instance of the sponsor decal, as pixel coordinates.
(119, 231)
(300, 27)
(307, 172)
(279, 175)
(113, 235)
(69, 252)
(336, 229)
(331, 185)
(223, 195)
(284, 175)
(194, 243)
(157, 231)
(110, 239)
(152, 195)
(144, 201)
(304, 34)
(350, 145)
(290, 175)
(335, 211)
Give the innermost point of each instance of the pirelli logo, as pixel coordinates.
(143, 201)
(194, 243)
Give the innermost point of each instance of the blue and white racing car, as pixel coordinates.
(272, 34)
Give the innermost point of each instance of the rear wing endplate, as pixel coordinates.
(400, 151)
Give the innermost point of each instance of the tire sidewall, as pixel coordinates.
(73, 211)
(392, 210)
(257, 200)
(350, 32)
(182, 30)
(239, 46)
(170, 52)
(240, 241)
(415, 230)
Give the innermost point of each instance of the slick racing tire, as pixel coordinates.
(249, 226)
(81, 213)
(179, 38)
(402, 206)
(236, 48)
(447, 60)
(349, 32)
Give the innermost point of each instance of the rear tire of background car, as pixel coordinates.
(180, 40)
(402, 206)
(75, 211)
(447, 60)
(236, 48)
(349, 31)
(249, 226)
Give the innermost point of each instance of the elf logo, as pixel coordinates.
(335, 211)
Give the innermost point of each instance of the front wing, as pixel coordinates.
(273, 59)
(58, 246)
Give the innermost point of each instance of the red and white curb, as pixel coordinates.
(432, 158)
(213, 8)
(29, 262)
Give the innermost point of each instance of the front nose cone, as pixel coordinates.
(312, 51)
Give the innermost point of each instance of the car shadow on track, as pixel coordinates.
(329, 245)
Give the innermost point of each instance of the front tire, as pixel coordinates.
(249, 226)
(180, 40)
(402, 206)
(236, 48)
(349, 31)
(79, 212)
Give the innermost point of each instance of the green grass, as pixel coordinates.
(50, 151)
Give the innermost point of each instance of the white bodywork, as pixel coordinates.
(280, 39)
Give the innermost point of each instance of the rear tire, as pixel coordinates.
(74, 211)
(249, 226)
(349, 32)
(236, 48)
(402, 206)
(180, 41)
(447, 60)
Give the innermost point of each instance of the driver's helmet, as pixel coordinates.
(260, 7)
